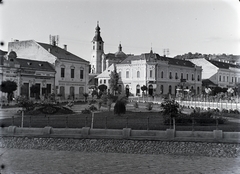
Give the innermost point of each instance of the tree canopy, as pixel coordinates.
(8, 87)
(113, 82)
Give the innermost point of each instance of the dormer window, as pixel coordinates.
(29, 63)
(40, 64)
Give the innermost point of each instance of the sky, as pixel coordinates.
(181, 26)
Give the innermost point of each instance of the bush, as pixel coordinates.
(200, 118)
(119, 107)
(86, 111)
(135, 104)
(149, 106)
(224, 111)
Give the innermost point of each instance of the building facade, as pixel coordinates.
(222, 74)
(72, 72)
(161, 75)
(26, 73)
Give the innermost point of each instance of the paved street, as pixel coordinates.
(18, 161)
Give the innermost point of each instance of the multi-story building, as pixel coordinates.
(161, 75)
(71, 79)
(26, 73)
(223, 74)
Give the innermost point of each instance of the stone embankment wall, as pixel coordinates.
(230, 150)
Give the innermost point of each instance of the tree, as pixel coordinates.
(8, 87)
(171, 109)
(85, 96)
(102, 88)
(144, 88)
(120, 106)
(113, 83)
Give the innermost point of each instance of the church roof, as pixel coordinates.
(61, 53)
(97, 36)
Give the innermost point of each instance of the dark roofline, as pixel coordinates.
(67, 53)
(49, 68)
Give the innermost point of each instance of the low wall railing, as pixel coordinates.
(125, 133)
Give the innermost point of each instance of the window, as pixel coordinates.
(138, 74)
(81, 73)
(162, 74)
(198, 77)
(100, 81)
(119, 74)
(187, 76)
(223, 78)
(193, 78)
(150, 73)
(176, 76)
(100, 47)
(161, 89)
(220, 78)
(62, 72)
(181, 75)
(72, 73)
(170, 89)
(232, 79)
(227, 78)
(104, 81)
(127, 74)
(170, 75)
(93, 47)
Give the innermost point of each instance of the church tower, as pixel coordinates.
(97, 51)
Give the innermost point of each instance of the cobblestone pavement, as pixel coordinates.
(19, 161)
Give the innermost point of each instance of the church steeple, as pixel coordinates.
(97, 52)
(120, 47)
(97, 36)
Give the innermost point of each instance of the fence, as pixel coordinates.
(221, 104)
(101, 121)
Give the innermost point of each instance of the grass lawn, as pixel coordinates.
(105, 119)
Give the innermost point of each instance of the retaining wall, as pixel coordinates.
(126, 133)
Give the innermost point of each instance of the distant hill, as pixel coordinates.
(222, 57)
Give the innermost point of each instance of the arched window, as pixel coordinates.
(161, 89)
(127, 74)
(62, 92)
(81, 90)
(138, 74)
(137, 89)
(170, 89)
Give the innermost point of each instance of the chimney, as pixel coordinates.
(65, 47)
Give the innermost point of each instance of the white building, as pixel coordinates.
(223, 74)
(160, 74)
(71, 79)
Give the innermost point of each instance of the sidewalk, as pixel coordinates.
(22, 161)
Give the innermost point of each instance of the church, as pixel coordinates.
(162, 75)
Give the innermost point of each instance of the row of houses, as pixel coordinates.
(56, 70)
(51, 68)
